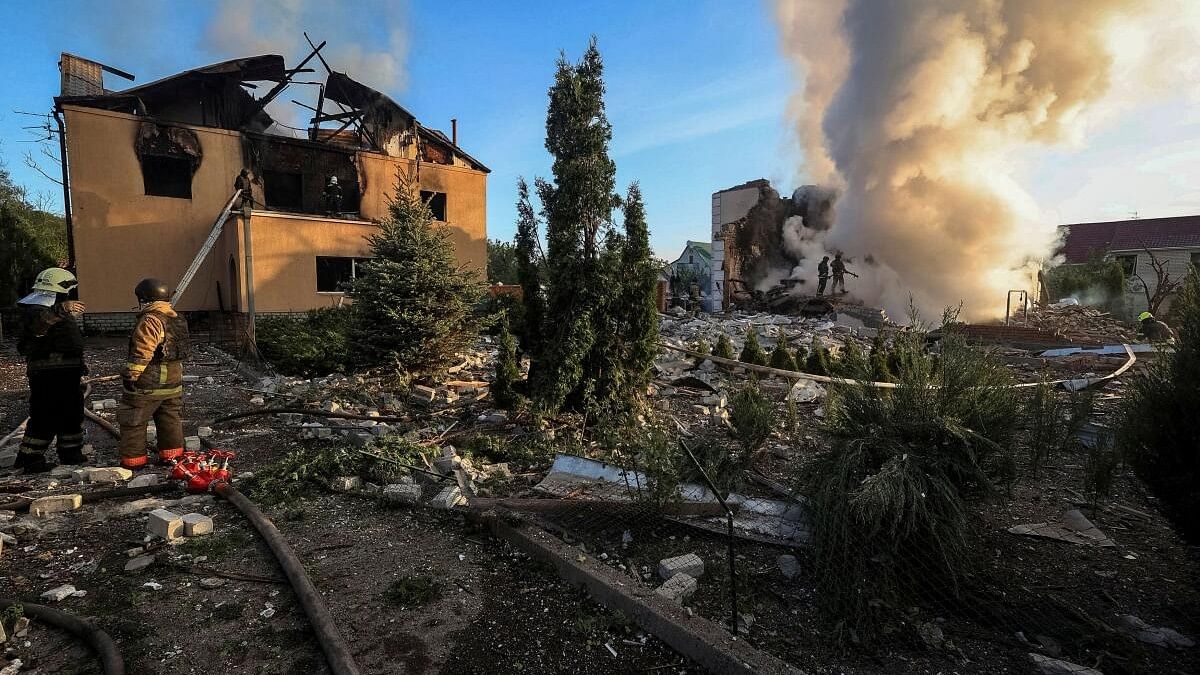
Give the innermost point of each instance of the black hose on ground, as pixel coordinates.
(84, 629)
(337, 652)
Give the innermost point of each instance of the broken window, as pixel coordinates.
(1128, 264)
(436, 202)
(334, 273)
(169, 157)
(283, 190)
(167, 176)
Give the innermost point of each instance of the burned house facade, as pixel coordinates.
(153, 168)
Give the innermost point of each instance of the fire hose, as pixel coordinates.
(98, 640)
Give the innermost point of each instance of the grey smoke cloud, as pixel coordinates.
(920, 113)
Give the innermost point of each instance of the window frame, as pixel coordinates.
(1131, 271)
(354, 263)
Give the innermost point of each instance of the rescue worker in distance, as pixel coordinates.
(153, 378)
(1153, 329)
(52, 345)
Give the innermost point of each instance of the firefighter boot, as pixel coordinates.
(32, 456)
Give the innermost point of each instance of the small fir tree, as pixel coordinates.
(413, 304)
(752, 352)
(853, 362)
(818, 361)
(724, 348)
(503, 389)
(781, 357)
(529, 275)
(701, 347)
(878, 360)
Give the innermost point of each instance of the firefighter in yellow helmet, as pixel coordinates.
(153, 378)
(52, 343)
(1153, 329)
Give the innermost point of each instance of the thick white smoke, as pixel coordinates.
(919, 113)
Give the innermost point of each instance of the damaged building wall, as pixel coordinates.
(121, 233)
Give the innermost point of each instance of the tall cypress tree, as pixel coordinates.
(529, 275)
(638, 306)
(577, 206)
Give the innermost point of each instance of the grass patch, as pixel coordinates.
(413, 591)
(216, 545)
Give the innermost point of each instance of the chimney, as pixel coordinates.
(454, 130)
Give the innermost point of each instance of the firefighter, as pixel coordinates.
(822, 275)
(1153, 329)
(153, 378)
(839, 273)
(246, 199)
(332, 196)
(52, 345)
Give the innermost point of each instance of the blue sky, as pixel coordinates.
(697, 94)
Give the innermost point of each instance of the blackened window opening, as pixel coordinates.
(167, 176)
(333, 273)
(437, 203)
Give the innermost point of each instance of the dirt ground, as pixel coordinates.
(486, 608)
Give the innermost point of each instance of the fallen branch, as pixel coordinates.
(307, 411)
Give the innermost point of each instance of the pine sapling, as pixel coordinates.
(752, 352)
(503, 389)
(724, 348)
(781, 357)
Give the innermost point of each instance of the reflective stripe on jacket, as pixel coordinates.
(157, 347)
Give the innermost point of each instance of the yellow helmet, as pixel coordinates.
(1145, 315)
(55, 280)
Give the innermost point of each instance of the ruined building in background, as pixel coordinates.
(750, 251)
(152, 167)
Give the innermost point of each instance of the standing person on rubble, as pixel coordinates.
(822, 275)
(52, 344)
(1153, 329)
(153, 378)
(839, 273)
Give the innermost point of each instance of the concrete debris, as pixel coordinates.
(789, 566)
(12, 668)
(402, 493)
(422, 394)
(192, 443)
(257, 400)
(143, 480)
(104, 404)
(932, 635)
(106, 474)
(212, 582)
(165, 524)
(689, 564)
(678, 588)
(43, 507)
(1074, 528)
(1050, 666)
(204, 432)
(21, 627)
(806, 391)
(139, 563)
(59, 593)
(197, 525)
(1152, 635)
(346, 484)
(448, 498)
(153, 585)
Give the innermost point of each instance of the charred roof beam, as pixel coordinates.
(287, 79)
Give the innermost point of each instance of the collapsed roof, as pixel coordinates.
(219, 95)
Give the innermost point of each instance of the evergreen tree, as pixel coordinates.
(724, 348)
(752, 352)
(637, 312)
(412, 303)
(879, 360)
(781, 357)
(503, 389)
(529, 274)
(702, 347)
(1159, 433)
(853, 362)
(818, 361)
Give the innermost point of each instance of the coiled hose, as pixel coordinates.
(110, 658)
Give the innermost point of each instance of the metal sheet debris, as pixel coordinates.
(1075, 528)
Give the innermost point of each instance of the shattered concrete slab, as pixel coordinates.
(1049, 666)
(1152, 635)
(1075, 528)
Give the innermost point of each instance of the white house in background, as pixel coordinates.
(1172, 241)
(693, 266)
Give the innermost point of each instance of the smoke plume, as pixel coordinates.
(919, 113)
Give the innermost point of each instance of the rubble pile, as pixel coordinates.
(683, 330)
(1081, 325)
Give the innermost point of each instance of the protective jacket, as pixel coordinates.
(50, 339)
(157, 348)
(1157, 331)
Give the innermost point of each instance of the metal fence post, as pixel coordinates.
(729, 517)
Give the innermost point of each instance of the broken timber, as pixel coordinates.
(1071, 384)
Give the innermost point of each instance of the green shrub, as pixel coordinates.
(503, 389)
(1054, 418)
(878, 359)
(752, 351)
(817, 362)
(1097, 282)
(891, 498)
(310, 345)
(303, 471)
(853, 362)
(781, 357)
(1159, 429)
(724, 348)
(701, 346)
(725, 467)
(752, 416)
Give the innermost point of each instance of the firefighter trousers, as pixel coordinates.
(55, 410)
(136, 410)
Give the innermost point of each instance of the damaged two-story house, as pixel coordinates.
(151, 168)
